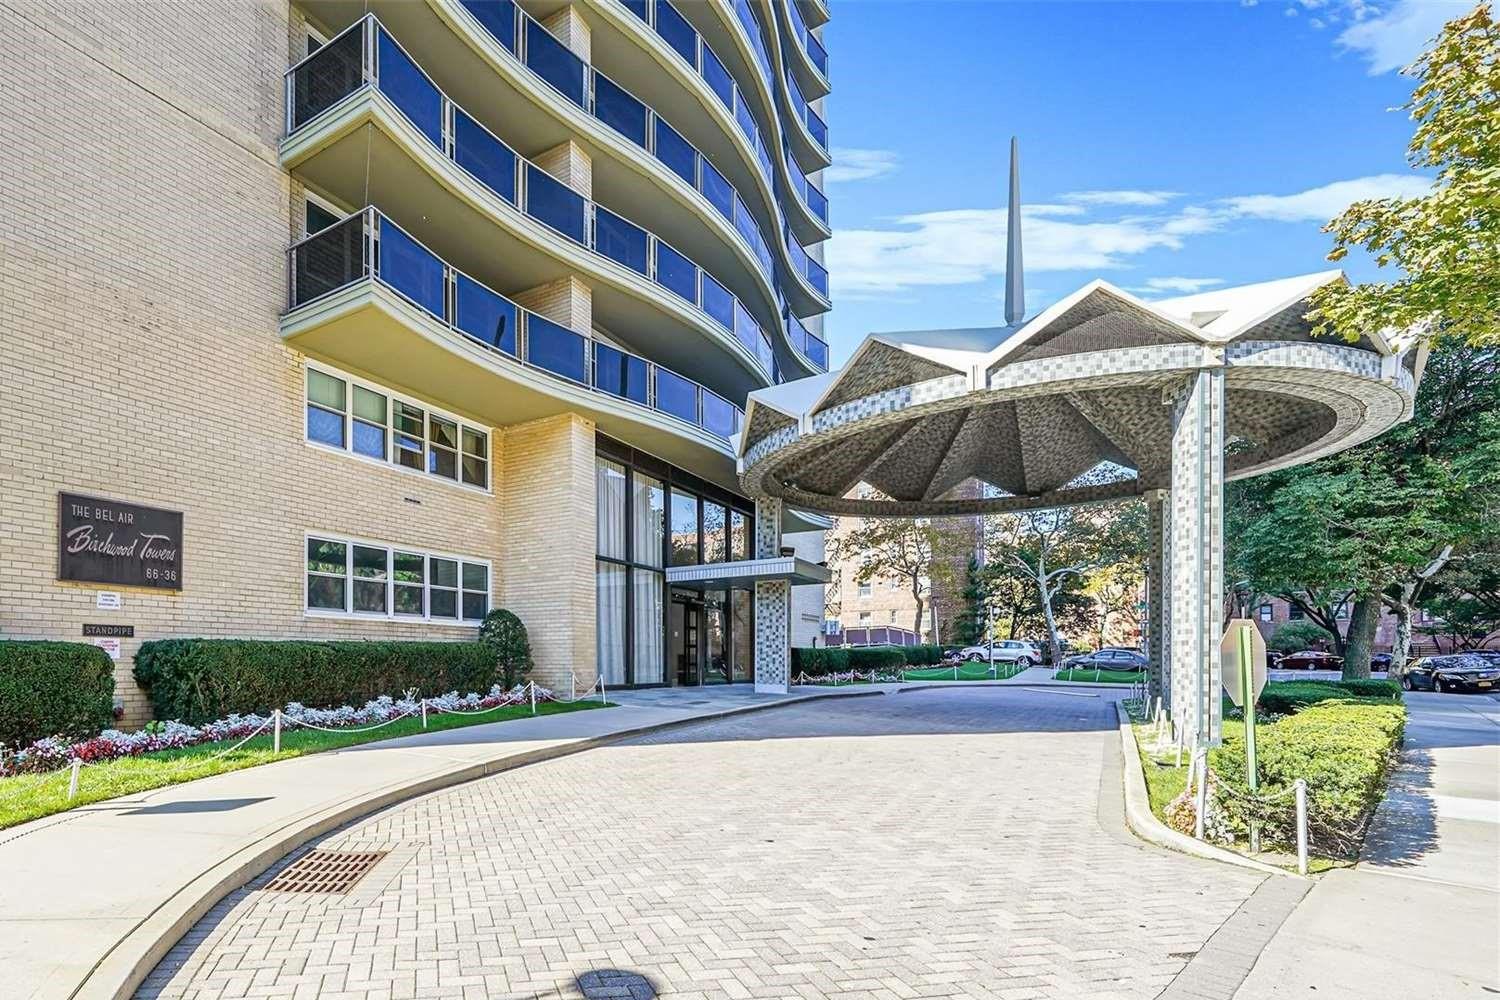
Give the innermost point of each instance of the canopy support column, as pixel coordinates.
(1158, 589)
(773, 607)
(1196, 558)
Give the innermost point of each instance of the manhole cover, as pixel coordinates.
(333, 872)
(615, 984)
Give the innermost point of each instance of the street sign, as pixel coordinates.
(1229, 655)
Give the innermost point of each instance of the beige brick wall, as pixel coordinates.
(572, 30)
(566, 301)
(570, 164)
(143, 227)
(549, 541)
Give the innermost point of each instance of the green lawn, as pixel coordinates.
(1102, 676)
(27, 797)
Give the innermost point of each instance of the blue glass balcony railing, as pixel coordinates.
(816, 127)
(810, 44)
(811, 346)
(815, 273)
(369, 246)
(388, 69)
(675, 30)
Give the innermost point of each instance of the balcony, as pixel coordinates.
(812, 348)
(366, 63)
(364, 293)
(811, 121)
(680, 35)
(814, 55)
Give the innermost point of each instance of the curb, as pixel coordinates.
(117, 974)
(1144, 824)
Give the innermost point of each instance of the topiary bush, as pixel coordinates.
(1293, 637)
(199, 680)
(505, 636)
(815, 661)
(1343, 750)
(891, 658)
(54, 689)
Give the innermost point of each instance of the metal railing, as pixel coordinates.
(813, 48)
(384, 66)
(816, 127)
(369, 246)
(812, 347)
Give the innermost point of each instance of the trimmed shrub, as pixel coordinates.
(505, 637)
(1289, 697)
(924, 655)
(1342, 749)
(1292, 637)
(815, 661)
(877, 658)
(198, 680)
(54, 689)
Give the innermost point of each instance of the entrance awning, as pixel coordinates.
(748, 572)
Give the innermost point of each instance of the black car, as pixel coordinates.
(1111, 658)
(1380, 661)
(1454, 672)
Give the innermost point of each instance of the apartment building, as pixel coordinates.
(357, 320)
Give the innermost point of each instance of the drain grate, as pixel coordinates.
(330, 872)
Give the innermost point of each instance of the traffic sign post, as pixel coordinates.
(1244, 656)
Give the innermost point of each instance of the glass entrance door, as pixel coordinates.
(686, 621)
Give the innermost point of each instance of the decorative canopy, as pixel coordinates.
(1072, 406)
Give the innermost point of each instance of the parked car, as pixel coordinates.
(1108, 658)
(1022, 654)
(1310, 659)
(1380, 661)
(1454, 672)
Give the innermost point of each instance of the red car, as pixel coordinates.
(1310, 659)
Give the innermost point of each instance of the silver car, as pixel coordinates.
(1022, 654)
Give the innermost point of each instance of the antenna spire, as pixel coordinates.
(1015, 283)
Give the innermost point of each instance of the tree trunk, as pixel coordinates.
(916, 594)
(1053, 646)
(1364, 618)
(1401, 648)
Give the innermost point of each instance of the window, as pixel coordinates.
(866, 589)
(315, 39)
(739, 536)
(892, 618)
(864, 617)
(318, 215)
(715, 542)
(373, 423)
(684, 529)
(1265, 612)
(371, 579)
(1294, 613)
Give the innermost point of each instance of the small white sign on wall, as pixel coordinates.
(110, 646)
(109, 600)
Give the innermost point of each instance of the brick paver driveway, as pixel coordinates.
(934, 843)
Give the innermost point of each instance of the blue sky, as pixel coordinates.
(1165, 147)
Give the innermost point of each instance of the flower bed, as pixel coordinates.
(52, 753)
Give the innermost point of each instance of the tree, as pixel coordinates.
(1053, 552)
(972, 623)
(1465, 601)
(1116, 591)
(1446, 242)
(1361, 525)
(1290, 637)
(890, 548)
(506, 637)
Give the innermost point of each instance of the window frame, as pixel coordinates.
(393, 397)
(323, 203)
(393, 549)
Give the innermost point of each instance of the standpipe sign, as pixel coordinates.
(106, 541)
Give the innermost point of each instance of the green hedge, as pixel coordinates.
(818, 660)
(1341, 748)
(1288, 697)
(52, 689)
(197, 680)
(922, 655)
(890, 658)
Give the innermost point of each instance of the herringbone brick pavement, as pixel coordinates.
(928, 844)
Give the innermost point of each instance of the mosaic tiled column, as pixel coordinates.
(773, 607)
(1158, 626)
(1196, 558)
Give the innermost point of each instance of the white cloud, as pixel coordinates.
(966, 246)
(860, 164)
(1182, 286)
(1396, 36)
(1142, 199)
(1320, 204)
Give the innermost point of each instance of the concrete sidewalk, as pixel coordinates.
(90, 899)
(1419, 916)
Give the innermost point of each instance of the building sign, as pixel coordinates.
(111, 647)
(106, 541)
(117, 631)
(108, 600)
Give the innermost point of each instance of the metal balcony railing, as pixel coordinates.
(369, 246)
(816, 53)
(366, 56)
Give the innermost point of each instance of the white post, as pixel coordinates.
(76, 766)
(424, 713)
(276, 730)
(1202, 757)
(1301, 791)
(533, 697)
(572, 686)
(603, 698)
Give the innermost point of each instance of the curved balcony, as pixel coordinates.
(812, 347)
(599, 96)
(812, 127)
(816, 11)
(688, 43)
(811, 61)
(365, 294)
(363, 77)
(746, 27)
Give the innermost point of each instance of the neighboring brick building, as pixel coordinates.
(462, 401)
